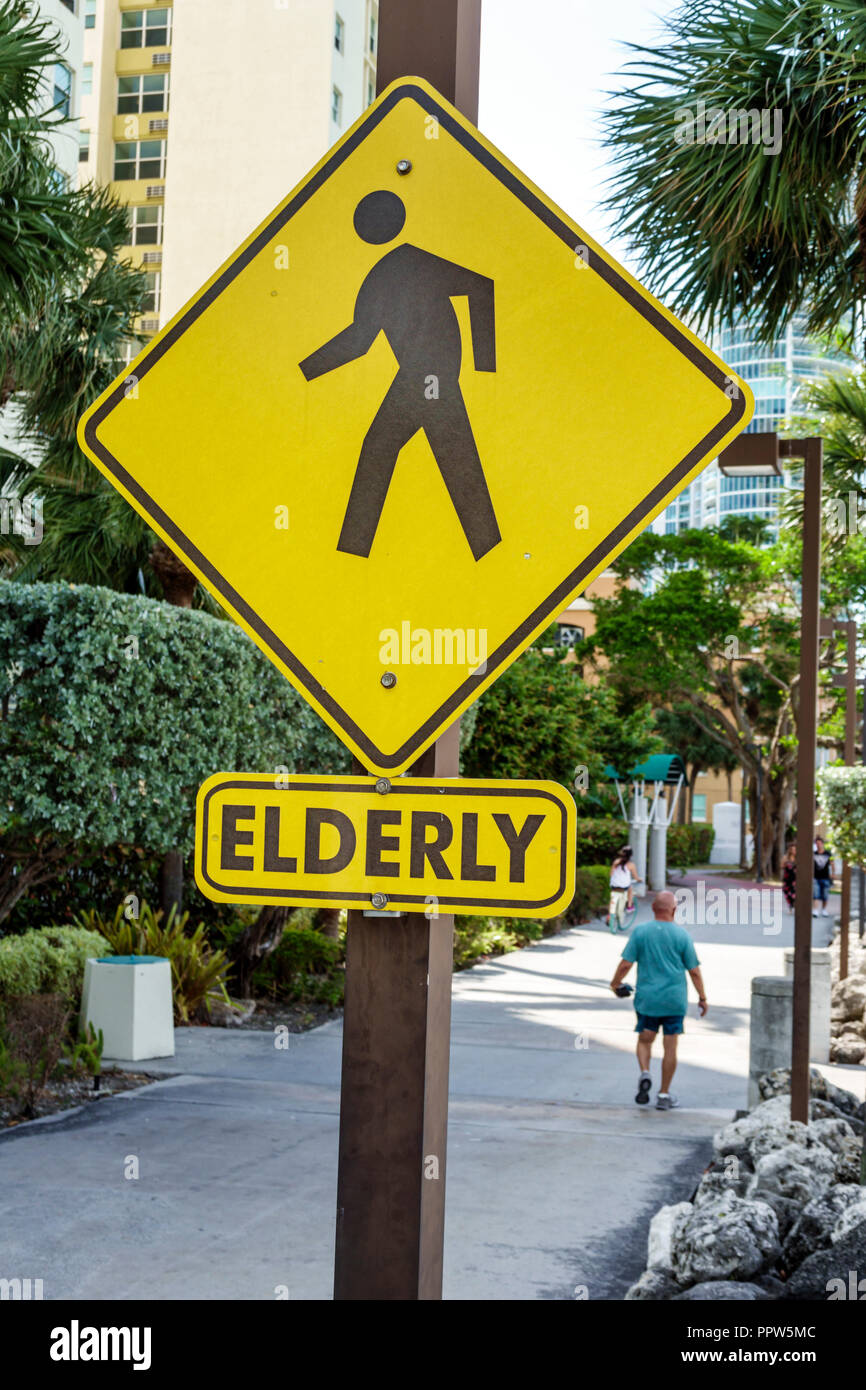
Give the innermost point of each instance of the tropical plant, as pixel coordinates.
(198, 972)
(85, 1054)
(730, 217)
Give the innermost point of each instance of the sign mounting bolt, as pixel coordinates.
(383, 785)
(389, 680)
(379, 900)
(404, 166)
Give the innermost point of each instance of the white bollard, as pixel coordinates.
(129, 998)
(819, 1003)
(769, 1028)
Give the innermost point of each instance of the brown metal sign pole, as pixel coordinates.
(397, 1019)
(811, 450)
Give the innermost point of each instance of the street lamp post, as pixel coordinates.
(758, 455)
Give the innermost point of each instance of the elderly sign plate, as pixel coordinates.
(505, 848)
(412, 416)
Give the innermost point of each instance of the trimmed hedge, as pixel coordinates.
(689, 845)
(116, 708)
(598, 842)
(49, 960)
(591, 894)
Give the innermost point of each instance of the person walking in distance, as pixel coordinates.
(623, 874)
(823, 878)
(789, 876)
(407, 296)
(664, 954)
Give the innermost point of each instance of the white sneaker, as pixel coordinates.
(668, 1102)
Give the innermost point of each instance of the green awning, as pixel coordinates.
(661, 767)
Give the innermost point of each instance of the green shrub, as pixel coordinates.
(476, 938)
(49, 960)
(114, 709)
(198, 973)
(591, 893)
(600, 840)
(306, 967)
(689, 845)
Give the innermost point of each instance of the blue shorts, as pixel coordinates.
(821, 890)
(669, 1023)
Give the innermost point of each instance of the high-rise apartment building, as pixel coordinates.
(776, 372)
(63, 82)
(203, 114)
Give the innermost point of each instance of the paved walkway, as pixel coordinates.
(553, 1172)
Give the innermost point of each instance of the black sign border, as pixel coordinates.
(565, 590)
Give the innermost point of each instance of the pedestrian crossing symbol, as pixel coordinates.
(409, 419)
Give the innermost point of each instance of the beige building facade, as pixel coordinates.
(202, 115)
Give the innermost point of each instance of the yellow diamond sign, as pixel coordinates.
(413, 415)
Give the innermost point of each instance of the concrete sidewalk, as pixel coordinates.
(553, 1172)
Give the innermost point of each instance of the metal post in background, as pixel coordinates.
(850, 735)
(811, 450)
(759, 820)
(397, 1017)
(861, 874)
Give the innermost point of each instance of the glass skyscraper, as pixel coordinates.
(775, 371)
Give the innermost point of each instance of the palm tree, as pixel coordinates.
(723, 226)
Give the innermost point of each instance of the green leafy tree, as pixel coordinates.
(744, 226)
(542, 720)
(712, 625)
(68, 305)
(701, 752)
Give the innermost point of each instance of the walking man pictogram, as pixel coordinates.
(407, 296)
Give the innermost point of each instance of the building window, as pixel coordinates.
(372, 33)
(339, 35)
(87, 80)
(90, 14)
(336, 106)
(83, 146)
(145, 28)
(150, 303)
(142, 159)
(146, 226)
(371, 91)
(699, 806)
(137, 94)
(62, 88)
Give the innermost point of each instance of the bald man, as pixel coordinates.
(664, 953)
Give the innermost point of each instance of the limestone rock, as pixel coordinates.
(813, 1229)
(848, 998)
(852, 1217)
(832, 1134)
(796, 1172)
(717, 1290)
(663, 1232)
(654, 1285)
(729, 1238)
(771, 1120)
(847, 1049)
(732, 1177)
(778, 1083)
(827, 1274)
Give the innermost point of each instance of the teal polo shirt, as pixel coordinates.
(663, 952)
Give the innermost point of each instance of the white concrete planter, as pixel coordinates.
(129, 998)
